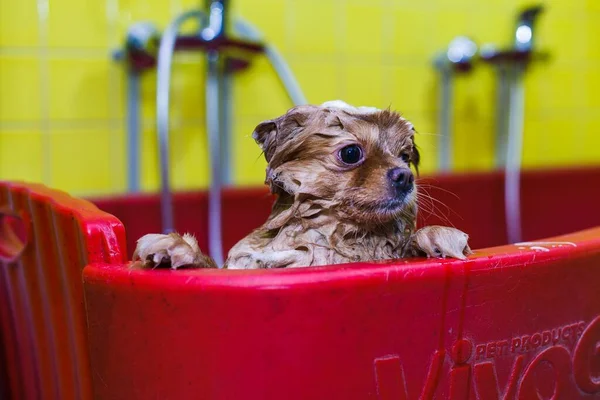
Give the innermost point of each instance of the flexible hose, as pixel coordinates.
(285, 75)
(163, 86)
(281, 68)
(164, 62)
(213, 112)
(446, 120)
(133, 131)
(512, 179)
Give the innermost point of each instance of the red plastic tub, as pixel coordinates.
(519, 321)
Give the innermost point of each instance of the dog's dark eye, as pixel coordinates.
(405, 157)
(351, 154)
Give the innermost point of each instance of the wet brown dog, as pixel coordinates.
(344, 193)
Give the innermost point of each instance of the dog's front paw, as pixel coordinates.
(442, 242)
(172, 249)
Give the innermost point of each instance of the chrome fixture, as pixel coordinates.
(141, 38)
(229, 46)
(457, 58)
(511, 64)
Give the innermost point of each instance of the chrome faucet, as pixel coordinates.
(524, 31)
(511, 64)
(229, 47)
(457, 58)
(217, 20)
(142, 38)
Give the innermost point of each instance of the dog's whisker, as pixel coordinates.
(431, 186)
(433, 211)
(425, 199)
(433, 201)
(430, 133)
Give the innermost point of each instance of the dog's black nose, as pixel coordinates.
(402, 179)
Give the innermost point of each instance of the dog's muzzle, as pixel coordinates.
(402, 180)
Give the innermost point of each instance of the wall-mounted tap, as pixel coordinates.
(218, 20)
(141, 45)
(457, 58)
(459, 55)
(521, 51)
(524, 31)
(142, 37)
(229, 47)
(511, 64)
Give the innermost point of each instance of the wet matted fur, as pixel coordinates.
(328, 211)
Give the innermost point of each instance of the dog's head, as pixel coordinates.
(352, 162)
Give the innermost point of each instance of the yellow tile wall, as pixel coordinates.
(62, 97)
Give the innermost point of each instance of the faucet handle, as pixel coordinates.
(529, 14)
(522, 50)
(525, 27)
(459, 55)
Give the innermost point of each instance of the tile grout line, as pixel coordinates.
(85, 124)
(387, 32)
(112, 12)
(62, 52)
(388, 59)
(340, 56)
(43, 9)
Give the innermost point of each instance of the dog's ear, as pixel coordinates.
(415, 157)
(272, 133)
(265, 134)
